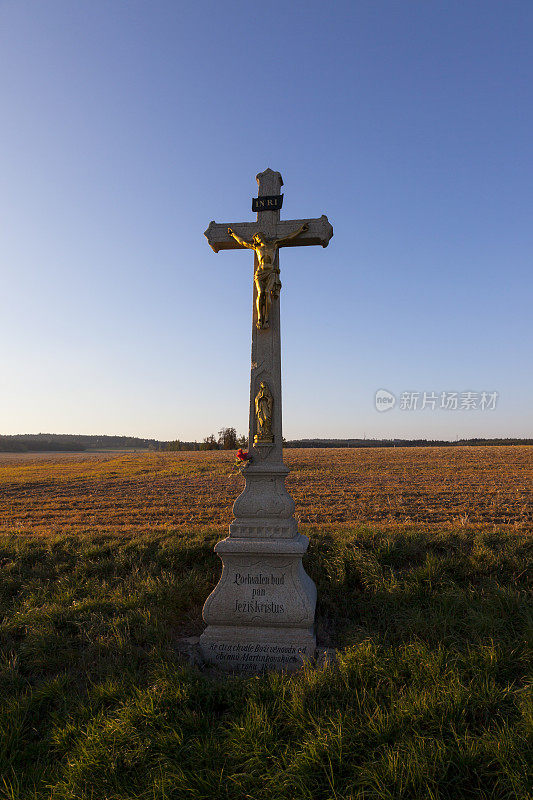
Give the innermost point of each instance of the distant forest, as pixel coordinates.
(400, 442)
(69, 443)
(227, 439)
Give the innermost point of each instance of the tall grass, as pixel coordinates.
(430, 696)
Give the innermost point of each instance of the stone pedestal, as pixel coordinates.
(261, 613)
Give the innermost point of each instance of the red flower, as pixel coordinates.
(242, 455)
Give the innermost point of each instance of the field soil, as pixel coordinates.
(483, 487)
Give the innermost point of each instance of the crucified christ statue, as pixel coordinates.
(266, 276)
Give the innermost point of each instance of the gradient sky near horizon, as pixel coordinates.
(128, 126)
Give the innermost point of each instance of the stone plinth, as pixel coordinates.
(261, 613)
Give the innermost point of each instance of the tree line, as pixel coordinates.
(72, 442)
(402, 442)
(227, 439)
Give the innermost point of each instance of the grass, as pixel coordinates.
(431, 696)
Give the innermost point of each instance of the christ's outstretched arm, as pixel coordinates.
(242, 242)
(301, 229)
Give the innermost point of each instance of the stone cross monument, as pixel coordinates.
(261, 613)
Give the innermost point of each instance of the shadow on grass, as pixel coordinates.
(448, 588)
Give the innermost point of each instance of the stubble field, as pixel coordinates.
(483, 487)
(422, 558)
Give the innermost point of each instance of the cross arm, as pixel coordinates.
(219, 239)
(320, 231)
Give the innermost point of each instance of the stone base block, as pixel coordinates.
(261, 613)
(263, 585)
(257, 649)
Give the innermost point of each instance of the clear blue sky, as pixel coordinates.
(128, 126)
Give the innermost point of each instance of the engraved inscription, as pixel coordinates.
(257, 656)
(254, 607)
(258, 583)
(261, 579)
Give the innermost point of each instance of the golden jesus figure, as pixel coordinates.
(266, 276)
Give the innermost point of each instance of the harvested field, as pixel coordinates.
(479, 487)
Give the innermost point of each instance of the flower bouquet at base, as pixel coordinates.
(242, 459)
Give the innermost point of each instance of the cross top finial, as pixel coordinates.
(269, 181)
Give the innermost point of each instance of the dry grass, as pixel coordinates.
(480, 487)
